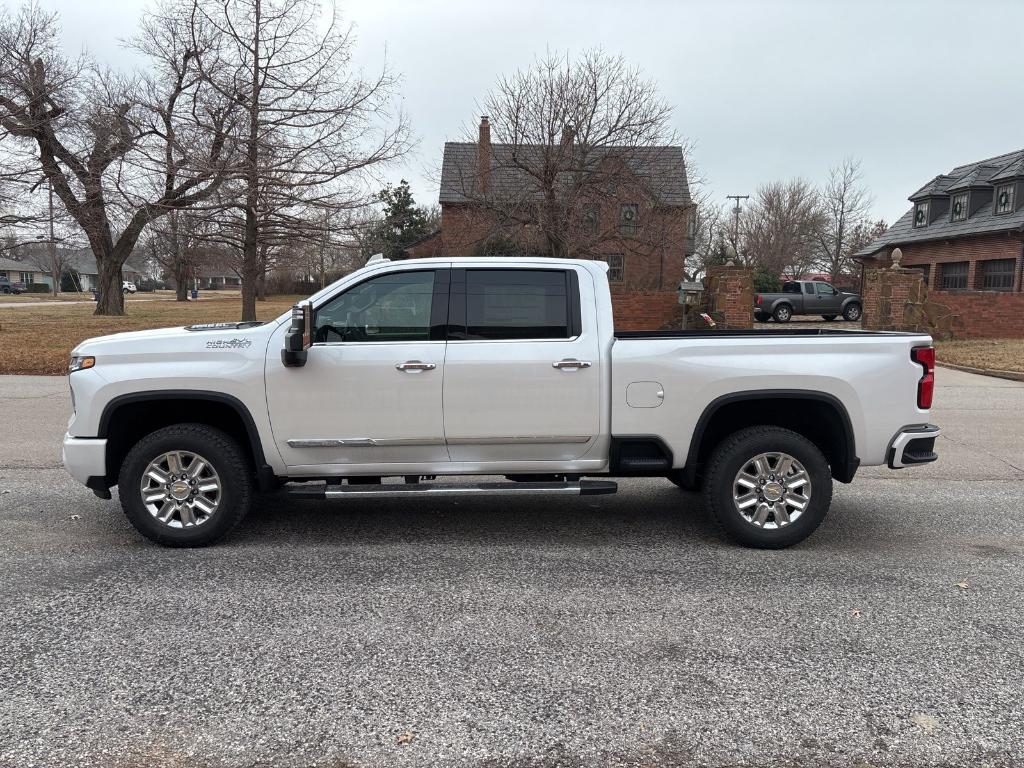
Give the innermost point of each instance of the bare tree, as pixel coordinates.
(781, 228)
(570, 135)
(845, 206)
(119, 151)
(313, 125)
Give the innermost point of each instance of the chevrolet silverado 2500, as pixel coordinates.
(404, 371)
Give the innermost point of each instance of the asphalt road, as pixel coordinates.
(594, 632)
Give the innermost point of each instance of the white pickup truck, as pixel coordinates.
(404, 371)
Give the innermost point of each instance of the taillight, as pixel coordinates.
(925, 357)
(757, 299)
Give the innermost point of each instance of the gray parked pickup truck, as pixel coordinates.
(806, 297)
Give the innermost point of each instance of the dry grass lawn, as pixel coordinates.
(38, 340)
(991, 354)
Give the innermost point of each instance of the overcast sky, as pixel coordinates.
(766, 90)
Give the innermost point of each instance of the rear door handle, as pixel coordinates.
(415, 365)
(571, 364)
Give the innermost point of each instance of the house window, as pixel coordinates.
(629, 219)
(616, 267)
(953, 276)
(3, 274)
(591, 218)
(959, 207)
(28, 277)
(1004, 198)
(998, 274)
(921, 214)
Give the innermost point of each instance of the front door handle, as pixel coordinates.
(571, 364)
(415, 365)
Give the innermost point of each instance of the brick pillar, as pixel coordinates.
(729, 296)
(897, 300)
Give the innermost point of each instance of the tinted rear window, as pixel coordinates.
(791, 287)
(517, 304)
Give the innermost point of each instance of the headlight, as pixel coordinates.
(81, 363)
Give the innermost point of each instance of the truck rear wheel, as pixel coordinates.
(783, 313)
(762, 317)
(768, 487)
(186, 485)
(829, 318)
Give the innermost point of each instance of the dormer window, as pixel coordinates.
(1004, 198)
(921, 214)
(959, 207)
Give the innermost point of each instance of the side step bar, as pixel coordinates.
(398, 490)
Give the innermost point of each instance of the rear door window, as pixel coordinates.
(505, 304)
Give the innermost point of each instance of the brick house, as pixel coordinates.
(637, 221)
(965, 232)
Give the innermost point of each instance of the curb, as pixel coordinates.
(1011, 375)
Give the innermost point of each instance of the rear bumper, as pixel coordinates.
(85, 457)
(913, 445)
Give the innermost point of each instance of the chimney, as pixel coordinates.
(483, 160)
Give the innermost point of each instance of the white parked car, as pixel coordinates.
(127, 286)
(404, 371)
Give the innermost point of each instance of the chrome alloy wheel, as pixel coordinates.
(771, 490)
(181, 489)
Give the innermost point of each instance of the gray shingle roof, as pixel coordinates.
(984, 221)
(661, 169)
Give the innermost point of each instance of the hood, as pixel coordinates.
(183, 339)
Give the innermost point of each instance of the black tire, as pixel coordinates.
(7, 290)
(783, 313)
(736, 451)
(829, 318)
(676, 478)
(852, 312)
(762, 317)
(219, 450)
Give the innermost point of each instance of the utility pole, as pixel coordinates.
(736, 211)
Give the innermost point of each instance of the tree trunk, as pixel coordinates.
(111, 301)
(250, 265)
(261, 286)
(180, 287)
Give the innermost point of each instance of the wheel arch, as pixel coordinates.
(128, 418)
(820, 417)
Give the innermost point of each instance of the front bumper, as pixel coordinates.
(85, 458)
(913, 445)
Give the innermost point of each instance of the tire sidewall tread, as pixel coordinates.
(217, 447)
(735, 450)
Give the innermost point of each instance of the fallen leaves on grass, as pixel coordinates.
(990, 354)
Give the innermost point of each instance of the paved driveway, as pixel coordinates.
(612, 631)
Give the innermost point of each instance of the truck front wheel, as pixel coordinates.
(768, 487)
(186, 485)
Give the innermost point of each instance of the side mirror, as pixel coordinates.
(835, 291)
(299, 337)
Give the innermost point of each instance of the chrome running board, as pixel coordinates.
(398, 490)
